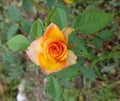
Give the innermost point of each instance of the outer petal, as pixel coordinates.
(71, 59)
(49, 66)
(53, 32)
(66, 31)
(34, 50)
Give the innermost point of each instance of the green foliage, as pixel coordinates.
(26, 25)
(106, 35)
(51, 3)
(70, 72)
(11, 73)
(78, 44)
(15, 13)
(97, 42)
(54, 88)
(88, 72)
(105, 94)
(18, 42)
(12, 31)
(59, 17)
(11, 99)
(37, 29)
(27, 5)
(70, 95)
(91, 21)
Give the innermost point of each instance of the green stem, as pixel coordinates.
(38, 5)
(49, 17)
(102, 58)
(109, 56)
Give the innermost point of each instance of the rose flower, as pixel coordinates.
(50, 51)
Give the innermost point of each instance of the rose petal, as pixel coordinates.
(71, 59)
(46, 53)
(48, 66)
(34, 50)
(66, 31)
(63, 55)
(53, 32)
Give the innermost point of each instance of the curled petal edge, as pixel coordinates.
(71, 59)
(67, 31)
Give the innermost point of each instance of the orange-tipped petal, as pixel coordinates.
(67, 31)
(54, 33)
(59, 55)
(34, 50)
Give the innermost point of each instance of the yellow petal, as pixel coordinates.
(34, 50)
(69, 1)
(66, 31)
(71, 59)
(54, 33)
(48, 66)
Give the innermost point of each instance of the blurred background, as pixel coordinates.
(17, 16)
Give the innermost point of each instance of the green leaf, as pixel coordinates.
(15, 13)
(8, 57)
(26, 25)
(106, 35)
(27, 5)
(78, 45)
(54, 88)
(51, 3)
(91, 21)
(2, 27)
(61, 5)
(59, 17)
(65, 82)
(11, 31)
(97, 42)
(37, 29)
(18, 42)
(88, 72)
(70, 94)
(1, 17)
(68, 72)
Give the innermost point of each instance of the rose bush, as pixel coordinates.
(50, 51)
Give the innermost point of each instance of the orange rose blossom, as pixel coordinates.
(50, 51)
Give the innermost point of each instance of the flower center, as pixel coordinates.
(57, 50)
